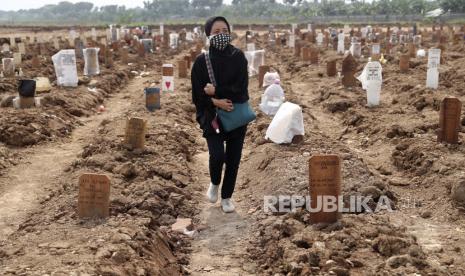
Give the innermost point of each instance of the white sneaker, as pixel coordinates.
(212, 193)
(227, 205)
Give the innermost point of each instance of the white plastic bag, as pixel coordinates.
(287, 123)
(272, 99)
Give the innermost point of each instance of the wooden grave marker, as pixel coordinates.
(135, 133)
(124, 54)
(324, 180)
(152, 98)
(182, 68)
(297, 48)
(314, 55)
(412, 51)
(94, 196)
(141, 50)
(331, 69)
(449, 120)
(404, 63)
(262, 70)
(349, 65)
(187, 58)
(306, 54)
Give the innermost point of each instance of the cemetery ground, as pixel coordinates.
(389, 150)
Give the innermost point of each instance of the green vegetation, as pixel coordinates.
(249, 11)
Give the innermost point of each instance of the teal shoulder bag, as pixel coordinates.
(242, 113)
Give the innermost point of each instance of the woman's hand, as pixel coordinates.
(224, 104)
(209, 89)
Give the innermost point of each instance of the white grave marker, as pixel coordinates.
(174, 40)
(372, 80)
(319, 39)
(340, 43)
(5, 48)
(91, 65)
(17, 58)
(432, 75)
(65, 68)
(21, 48)
(292, 41)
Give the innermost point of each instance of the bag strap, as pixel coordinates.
(211, 75)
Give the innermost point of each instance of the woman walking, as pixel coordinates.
(219, 86)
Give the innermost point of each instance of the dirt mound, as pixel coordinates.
(29, 127)
(289, 245)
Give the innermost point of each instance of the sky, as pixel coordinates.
(33, 4)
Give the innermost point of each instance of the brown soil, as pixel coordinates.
(389, 150)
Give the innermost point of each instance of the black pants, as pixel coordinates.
(232, 157)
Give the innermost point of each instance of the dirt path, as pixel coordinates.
(26, 184)
(219, 249)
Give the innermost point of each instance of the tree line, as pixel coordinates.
(251, 10)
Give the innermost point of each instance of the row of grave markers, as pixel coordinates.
(325, 176)
(80, 42)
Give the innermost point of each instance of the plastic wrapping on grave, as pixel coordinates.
(372, 80)
(174, 40)
(255, 59)
(287, 123)
(356, 49)
(250, 47)
(91, 65)
(269, 78)
(272, 99)
(65, 68)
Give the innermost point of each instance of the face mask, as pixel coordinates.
(220, 41)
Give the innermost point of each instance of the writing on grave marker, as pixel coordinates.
(8, 67)
(324, 180)
(167, 78)
(94, 196)
(449, 120)
(135, 133)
